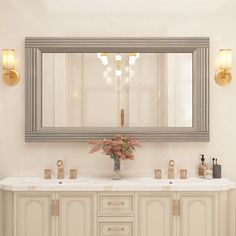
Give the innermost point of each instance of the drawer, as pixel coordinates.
(115, 204)
(116, 227)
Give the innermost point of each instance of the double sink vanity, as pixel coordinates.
(152, 89)
(139, 206)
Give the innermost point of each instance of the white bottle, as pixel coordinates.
(208, 171)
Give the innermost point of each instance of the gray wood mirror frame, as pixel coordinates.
(37, 48)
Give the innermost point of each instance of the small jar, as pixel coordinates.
(208, 174)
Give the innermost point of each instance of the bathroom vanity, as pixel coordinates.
(128, 207)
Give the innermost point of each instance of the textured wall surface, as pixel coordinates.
(67, 18)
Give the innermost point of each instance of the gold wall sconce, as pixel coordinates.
(223, 75)
(10, 75)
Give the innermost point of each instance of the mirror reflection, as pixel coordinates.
(117, 89)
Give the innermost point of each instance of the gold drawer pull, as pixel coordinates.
(116, 228)
(116, 203)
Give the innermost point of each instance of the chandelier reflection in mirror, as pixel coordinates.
(121, 62)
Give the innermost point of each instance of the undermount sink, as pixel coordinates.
(64, 181)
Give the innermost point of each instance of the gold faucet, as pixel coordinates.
(60, 169)
(171, 170)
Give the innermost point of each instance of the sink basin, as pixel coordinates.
(64, 181)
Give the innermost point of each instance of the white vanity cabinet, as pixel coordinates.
(155, 214)
(32, 214)
(76, 214)
(178, 214)
(54, 214)
(198, 214)
(121, 214)
(129, 207)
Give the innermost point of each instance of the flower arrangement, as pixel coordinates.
(118, 147)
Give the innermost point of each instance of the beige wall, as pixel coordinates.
(20, 18)
(1, 215)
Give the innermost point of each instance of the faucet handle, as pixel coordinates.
(73, 174)
(171, 163)
(59, 163)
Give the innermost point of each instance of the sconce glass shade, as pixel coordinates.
(225, 59)
(104, 59)
(132, 59)
(118, 57)
(8, 59)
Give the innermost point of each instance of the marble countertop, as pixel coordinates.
(107, 184)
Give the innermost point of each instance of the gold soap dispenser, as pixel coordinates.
(202, 167)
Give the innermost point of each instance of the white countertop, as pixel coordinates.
(107, 184)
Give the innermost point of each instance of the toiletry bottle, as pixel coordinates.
(202, 167)
(216, 169)
(208, 170)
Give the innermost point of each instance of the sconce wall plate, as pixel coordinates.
(10, 77)
(223, 77)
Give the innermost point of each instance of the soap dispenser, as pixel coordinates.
(202, 167)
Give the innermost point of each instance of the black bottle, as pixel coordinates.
(216, 169)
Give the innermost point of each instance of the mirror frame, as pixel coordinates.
(198, 46)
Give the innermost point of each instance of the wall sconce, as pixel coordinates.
(10, 75)
(223, 76)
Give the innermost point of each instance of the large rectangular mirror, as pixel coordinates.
(155, 89)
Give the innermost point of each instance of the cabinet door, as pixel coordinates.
(77, 214)
(33, 214)
(197, 214)
(155, 214)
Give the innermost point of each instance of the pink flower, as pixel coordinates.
(118, 146)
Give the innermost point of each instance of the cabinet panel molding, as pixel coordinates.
(77, 214)
(197, 214)
(155, 215)
(33, 214)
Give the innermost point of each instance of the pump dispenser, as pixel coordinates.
(202, 167)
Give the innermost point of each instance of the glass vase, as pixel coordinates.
(116, 175)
